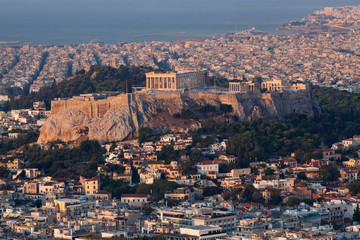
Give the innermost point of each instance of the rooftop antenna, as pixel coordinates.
(235, 28)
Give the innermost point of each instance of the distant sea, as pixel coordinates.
(58, 22)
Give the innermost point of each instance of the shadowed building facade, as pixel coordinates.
(175, 80)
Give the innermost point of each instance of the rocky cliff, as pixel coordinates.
(123, 117)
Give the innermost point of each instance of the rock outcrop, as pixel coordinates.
(122, 119)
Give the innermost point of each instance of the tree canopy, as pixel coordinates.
(61, 161)
(97, 79)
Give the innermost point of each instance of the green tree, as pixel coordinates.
(226, 108)
(157, 189)
(22, 175)
(38, 203)
(302, 176)
(135, 177)
(292, 201)
(196, 156)
(247, 194)
(329, 173)
(211, 191)
(115, 187)
(64, 161)
(115, 168)
(97, 79)
(148, 209)
(144, 134)
(269, 171)
(4, 172)
(356, 215)
(113, 146)
(186, 113)
(187, 167)
(255, 171)
(354, 187)
(172, 202)
(6, 186)
(167, 153)
(308, 201)
(275, 197)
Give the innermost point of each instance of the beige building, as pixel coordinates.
(200, 233)
(349, 175)
(351, 142)
(14, 165)
(135, 200)
(240, 171)
(67, 207)
(90, 185)
(248, 227)
(175, 80)
(227, 221)
(32, 187)
(32, 172)
(354, 162)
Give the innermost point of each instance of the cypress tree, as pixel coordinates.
(356, 215)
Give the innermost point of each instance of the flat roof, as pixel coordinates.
(67, 200)
(201, 227)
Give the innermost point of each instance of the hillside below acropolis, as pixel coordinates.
(119, 117)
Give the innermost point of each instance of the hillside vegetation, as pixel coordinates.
(259, 140)
(249, 141)
(97, 79)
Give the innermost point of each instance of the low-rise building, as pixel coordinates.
(90, 185)
(207, 166)
(225, 220)
(203, 232)
(71, 208)
(248, 227)
(135, 200)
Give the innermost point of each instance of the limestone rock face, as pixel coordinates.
(70, 125)
(155, 110)
(117, 123)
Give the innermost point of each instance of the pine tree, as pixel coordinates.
(356, 216)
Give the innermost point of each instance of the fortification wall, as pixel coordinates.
(95, 108)
(120, 117)
(172, 102)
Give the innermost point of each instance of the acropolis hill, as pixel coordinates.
(112, 116)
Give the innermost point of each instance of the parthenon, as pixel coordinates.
(175, 80)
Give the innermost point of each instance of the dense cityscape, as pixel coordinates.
(329, 57)
(139, 142)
